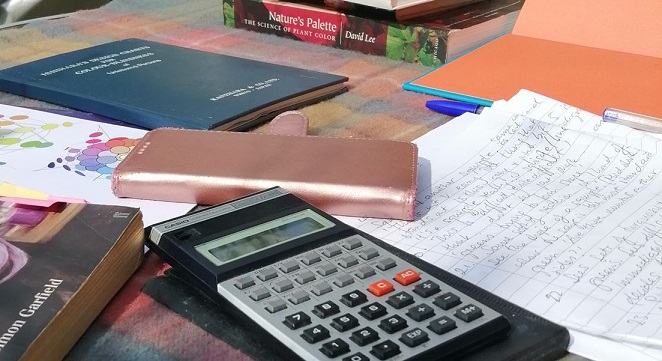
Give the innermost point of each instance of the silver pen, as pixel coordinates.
(633, 120)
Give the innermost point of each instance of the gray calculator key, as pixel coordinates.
(322, 288)
(244, 282)
(289, 266)
(305, 277)
(299, 296)
(267, 274)
(365, 271)
(352, 243)
(259, 293)
(343, 280)
(310, 258)
(369, 253)
(275, 305)
(348, 261)
(282, 285)
(386, 263)
(327, 269)
(332, 251)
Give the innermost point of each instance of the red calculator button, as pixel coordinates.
(407, 276)
(380, 287)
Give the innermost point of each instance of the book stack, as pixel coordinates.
(434, 39)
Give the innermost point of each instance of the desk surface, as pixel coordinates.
(134, 326)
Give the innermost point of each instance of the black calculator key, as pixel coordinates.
(442, 325)
(297, 320)
(426, 289)
(315, 334)
(356, 357)
(354, 298)
(344, 322)
(447, 301)
(393, 324)
(335, 348)
(373, 311)
(326, 309)
(420, 312)
(468, 313)
(385, 350)
(400, 300)
(364, 336)
(414, 337)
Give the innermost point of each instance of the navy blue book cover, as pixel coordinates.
(154, 85)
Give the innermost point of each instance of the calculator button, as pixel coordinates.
(352, 243)
(289, 266)
(310, 258)
(244, 282)
(305, 277)
(267, 274)
(315, 334)
(393, 324)
(364, 336)
(343, 280)
(400, 300)
(326, 309)
(414, 337)
(356, 357)
(348, 261)
(380, 287)
(335, 348)
(282, 285)
(259, 293)
(299, 296)
(407, 277)
(369, 253)
(447, 301)
(354, 298)
(344, 322)
(426, 289)
(373, 311)
(327, 269)
(385, 350)
(297, 320)
(385, 263)
(365, 271)
(442, 325)
(322, 288)
(275, 305)
(332, 251)
(468, 313)
(420, 312)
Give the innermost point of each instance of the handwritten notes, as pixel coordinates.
(565, 223)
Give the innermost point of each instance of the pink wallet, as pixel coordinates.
(342, 176)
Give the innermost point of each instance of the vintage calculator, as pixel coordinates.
(320, 289)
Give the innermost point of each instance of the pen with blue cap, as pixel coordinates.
(452, 107)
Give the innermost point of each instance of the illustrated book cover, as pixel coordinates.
(59, 267)
(154, 85)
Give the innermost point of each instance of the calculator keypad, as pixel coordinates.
(353, 300)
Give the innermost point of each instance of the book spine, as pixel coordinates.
(409, 43)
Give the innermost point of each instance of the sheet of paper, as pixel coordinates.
(559, 222)
(64, 156)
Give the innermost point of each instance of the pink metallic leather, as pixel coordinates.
(342, 176)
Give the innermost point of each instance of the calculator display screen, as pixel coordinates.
(254, 239)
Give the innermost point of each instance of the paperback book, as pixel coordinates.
(450, 35)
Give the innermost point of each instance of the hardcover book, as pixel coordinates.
(402, 9)
(154, 85)
(450, 35)
(59, 267)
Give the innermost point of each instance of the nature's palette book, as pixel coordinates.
(155, 85)
(59, 267)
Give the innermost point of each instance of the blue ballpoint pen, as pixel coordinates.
(453, 108)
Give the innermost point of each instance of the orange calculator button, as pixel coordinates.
(380, 287)
(407, 276)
